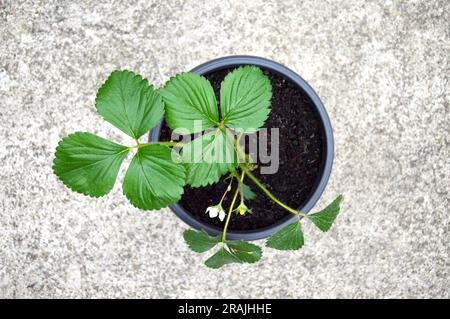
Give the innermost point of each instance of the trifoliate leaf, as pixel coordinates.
(87, 163)
(287, 238)
(200, 241)
(190, 103)
(220, 258)
(245, 251)
(248, 193)
(208, 157)
(325, 218)
(129, 103)
(245, 97)
(153, 179)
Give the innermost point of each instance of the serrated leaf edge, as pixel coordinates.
(157, 207)
(69, 186)
(286, 249)
(142, 79)
(238, 261)
(217, 239)
(249, 262)
(269, 109)
(178, 75)
(339, 200)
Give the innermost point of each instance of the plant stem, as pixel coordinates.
(241, 187)
(224, 235)
(268, 193)
(227, 190)
(236, 144)
(257, 182)
(153, 143)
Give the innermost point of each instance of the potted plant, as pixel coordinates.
(211, 159)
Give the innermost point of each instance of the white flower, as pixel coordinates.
(213, 211)
(216, 211)
(222, 215)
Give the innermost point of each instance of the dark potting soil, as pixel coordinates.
(301, 154)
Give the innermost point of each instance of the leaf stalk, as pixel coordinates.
(268, 193)
(154, 143)
(224, 235)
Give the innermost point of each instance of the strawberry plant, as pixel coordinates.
(158, 172)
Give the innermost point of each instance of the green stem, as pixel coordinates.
(241, 187)
(240, 180)
(241, 152)
(257, 182)
(224, 235)
(226, 191)
(153, 143)
(268, 193)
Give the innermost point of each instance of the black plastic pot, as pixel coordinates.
(232, 61)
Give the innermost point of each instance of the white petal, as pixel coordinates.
(213, 212)
(221, 215)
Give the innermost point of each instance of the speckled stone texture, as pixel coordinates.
(380, 67)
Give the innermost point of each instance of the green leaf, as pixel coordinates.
(190, 102)
(220, 258)
(287, 238)
(88, 164)
(245, 97)
(153, 179)
(239, 252)
(325, 218)
(208, 157)
(129, 103)
(200, 241)
(245, 251)
(248, 193)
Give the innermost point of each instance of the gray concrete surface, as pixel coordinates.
(381, 68)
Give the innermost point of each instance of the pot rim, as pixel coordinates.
(319, 187)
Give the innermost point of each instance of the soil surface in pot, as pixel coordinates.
(301, 155)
